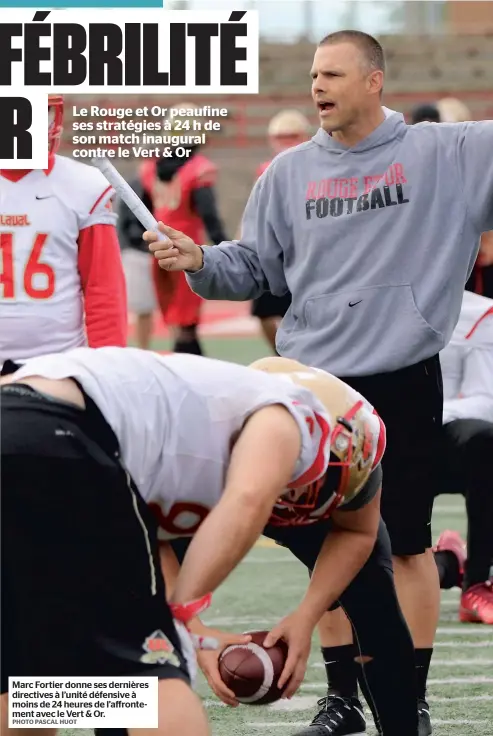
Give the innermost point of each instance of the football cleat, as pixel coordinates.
(476, 604)
(424, 720)
(337, 717)
(450, 541)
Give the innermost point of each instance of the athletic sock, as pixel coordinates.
(448, 569)
(474, 574)
(422, 659)
(188, 346)
(341, 670)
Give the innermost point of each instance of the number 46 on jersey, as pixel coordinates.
(38, 279)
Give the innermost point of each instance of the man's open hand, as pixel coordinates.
(297, 633)
(208, 660)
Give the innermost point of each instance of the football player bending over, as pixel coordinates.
(94, 441)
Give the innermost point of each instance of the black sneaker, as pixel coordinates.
(424, 721)
(338, 717)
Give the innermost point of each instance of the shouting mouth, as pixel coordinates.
(325, 108)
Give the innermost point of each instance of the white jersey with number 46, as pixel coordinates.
(42, 214)
(176, 418)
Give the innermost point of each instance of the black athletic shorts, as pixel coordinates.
(410, 402)
(269, 305)
(82, 589)
(465, 460)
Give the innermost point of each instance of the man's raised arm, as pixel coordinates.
(239, 270)
(475, 158)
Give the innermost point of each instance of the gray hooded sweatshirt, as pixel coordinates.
(375, 243)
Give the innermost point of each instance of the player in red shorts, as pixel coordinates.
(286, 129)
(182, 193)
(62, 284)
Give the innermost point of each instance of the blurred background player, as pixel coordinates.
(142, 302)
(286, 129)
(62, 283)
(425, 114)
(467, 366)
(182, 192)
(452, 110)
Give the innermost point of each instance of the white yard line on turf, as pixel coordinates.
(466, 680)
(479, 680)
(269, 560)
(463, 644)
(294, 724)
(473, 662)
(461, 699)
(213, 704)
(241, 621)
(450, 603)
(265, 622)
(307, 702)
(466, 630)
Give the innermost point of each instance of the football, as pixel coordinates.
(251, 671)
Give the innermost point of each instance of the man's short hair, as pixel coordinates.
(369, 46)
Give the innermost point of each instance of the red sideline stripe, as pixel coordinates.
(475, 326)
(108, 188)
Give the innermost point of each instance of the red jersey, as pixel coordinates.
(172, 200)
(172, 204)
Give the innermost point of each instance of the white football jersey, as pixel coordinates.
(467, 362)
(175, 417)
(41, 216)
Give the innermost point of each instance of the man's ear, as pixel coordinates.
(375, 82)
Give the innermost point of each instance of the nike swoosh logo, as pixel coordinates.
(353, 304)
(46, 197)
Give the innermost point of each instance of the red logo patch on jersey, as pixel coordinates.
(159, 650)
(109, 205)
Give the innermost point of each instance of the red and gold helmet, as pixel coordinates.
(356, 436)
(55, 122)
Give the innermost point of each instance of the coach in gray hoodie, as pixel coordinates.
(374, 227)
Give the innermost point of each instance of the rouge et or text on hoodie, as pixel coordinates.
(335, 197)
